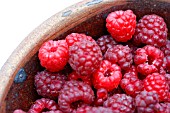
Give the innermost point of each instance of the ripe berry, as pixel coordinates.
(49, 84)
(85, 57)
(102, 95)
(151, 30)
(166, 48)
(54, 55)
(120, 54)
(107, 76)
(73, 95)
(162, 107)
(157, 83)
(42, 104)
(148, 59)
(105, 42)
(75, 37)
(145, 102)
(167, 77)
(121, 25)
(120, 103)
(166, 63)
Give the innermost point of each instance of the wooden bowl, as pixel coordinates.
(84, 17)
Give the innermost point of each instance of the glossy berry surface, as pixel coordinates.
(162, 107)
(54, 55)
(166, 48)
(107, 76)
(121, 25)
(85, 57)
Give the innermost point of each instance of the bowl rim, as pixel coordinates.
(49, 29)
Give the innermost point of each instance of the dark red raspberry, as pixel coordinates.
(85, 57)
(167, 77)
(107, 76)
(148, 59)
(54, 55)
(166, 48)
(102, 95)
(42, 104)
(121, 25)
(105, 42)
(49, 84)
(73, 95)
(86, 79)
(90, 109)
(157, 83)
(166, 63)
(19, 111)
(151, 30)
(75, 37)
(162, 107)
(120, 103)
(120, 54)
(145, 102)
(131, 84)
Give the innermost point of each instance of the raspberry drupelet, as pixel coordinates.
(120, 103)
(157, 83)
(102, 95)
(73, 95)
(75, 37)
(42, 104)
(162, 107)
(85, 57)
(107, 76)
(54, 55)
(121, 55)
(151, 30)
(105, 42)
(121, 25)
(148, 59)
(49, 84)
(145, 102)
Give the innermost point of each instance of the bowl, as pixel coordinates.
(86, 17)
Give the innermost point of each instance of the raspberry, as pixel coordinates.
(102, 95)
(73, 94)
(105, 42)
(148, 59)
(166, 48)
(85, 79)
(131, 84)
(120, 103)
(120, 54)
(145, 102)
(90, 109)
(42, 104)
(167, 77)
(121, 25)
(54, 55)
(166, 63)
(85, 57)
(49, 84)
(162, 107)
(157, 83)
(75, 37)
(151, 30)
(107, 76)
(58, 111)
(19, 111)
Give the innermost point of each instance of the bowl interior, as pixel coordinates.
(22, 95)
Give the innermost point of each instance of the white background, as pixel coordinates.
(19, 17)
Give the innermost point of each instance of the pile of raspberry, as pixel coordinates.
(124, 71)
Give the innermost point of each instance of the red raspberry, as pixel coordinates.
(85, 79)
(157, 83)
(162, 107)
(105, 42)
(145, 102)
(42, 104)
(85, 57)
(151, 30)
(120, 54)
(49, 84)
(73, 95)
(90, 109)
(107, 76)
(148, 59)
(75, 37)
(121, 25)
(102, 95)
(120, 103)
(166, 63)
(166, 48)
(54, 55)
(167, 77)
(131, 84)
(19, 111)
